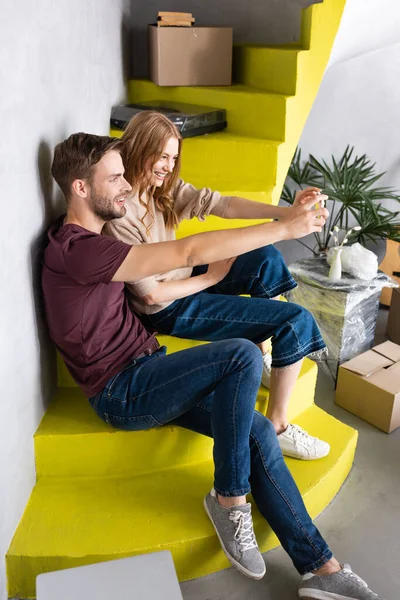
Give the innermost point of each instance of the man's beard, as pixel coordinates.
(104, 208)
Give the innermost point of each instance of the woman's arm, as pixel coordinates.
(205, 248)
(190, 202)
(241, 208)
(174, 290)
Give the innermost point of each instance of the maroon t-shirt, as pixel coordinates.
(88, 314)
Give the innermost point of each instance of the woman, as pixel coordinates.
(206, 303)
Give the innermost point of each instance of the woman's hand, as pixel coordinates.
(301, 220)
(220, 269)
(303, 195)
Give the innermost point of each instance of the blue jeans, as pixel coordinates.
(220, 313)
(212, 390)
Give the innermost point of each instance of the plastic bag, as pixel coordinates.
(345, 310)
(358, 261)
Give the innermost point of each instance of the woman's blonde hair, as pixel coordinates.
(144, 140)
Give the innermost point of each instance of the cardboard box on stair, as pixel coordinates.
(181, 54)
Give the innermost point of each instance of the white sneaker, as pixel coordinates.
(297, 443)
(266, 372)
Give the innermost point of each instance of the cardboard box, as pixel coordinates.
(391, 266)
(190, 55)
(369, 386)
(393, 324)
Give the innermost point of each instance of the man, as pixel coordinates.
(210, 389)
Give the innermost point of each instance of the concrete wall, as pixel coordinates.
(359, 98)
(358, 101)
(61, 69)
(253, 21)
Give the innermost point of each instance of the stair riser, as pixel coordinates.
(119, 453)
(206, 162)
(260, 115)
(270, 69)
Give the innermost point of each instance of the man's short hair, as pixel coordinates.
(75, 157)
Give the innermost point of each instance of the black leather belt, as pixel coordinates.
(154, 346)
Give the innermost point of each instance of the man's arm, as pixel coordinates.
(242, 208)
(209, 247)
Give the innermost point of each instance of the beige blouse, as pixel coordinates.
(189, 203)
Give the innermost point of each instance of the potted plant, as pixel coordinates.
(345, 310)
(355, 201)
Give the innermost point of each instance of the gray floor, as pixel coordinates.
(362, 524)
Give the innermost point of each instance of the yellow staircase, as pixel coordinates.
(103, 494)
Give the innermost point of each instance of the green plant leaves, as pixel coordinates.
(350, 184)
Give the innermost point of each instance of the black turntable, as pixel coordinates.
(190, 119)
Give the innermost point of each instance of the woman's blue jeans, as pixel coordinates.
(212, 390)
(220, 313)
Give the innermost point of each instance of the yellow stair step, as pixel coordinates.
(270, 68)
(228, 161)
(71, 440)
(250, 111)
(72, 522)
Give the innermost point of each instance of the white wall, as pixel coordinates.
(358, 102)
(61, 69)
(359, 98)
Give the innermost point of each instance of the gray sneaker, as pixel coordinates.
(234, 527)
(343, 585)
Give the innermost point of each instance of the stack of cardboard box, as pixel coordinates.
(181, 54)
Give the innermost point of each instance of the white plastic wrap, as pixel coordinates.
(357, 261)
(345, 310)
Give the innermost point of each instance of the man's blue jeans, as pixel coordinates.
(220, 313)
(212, 390)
